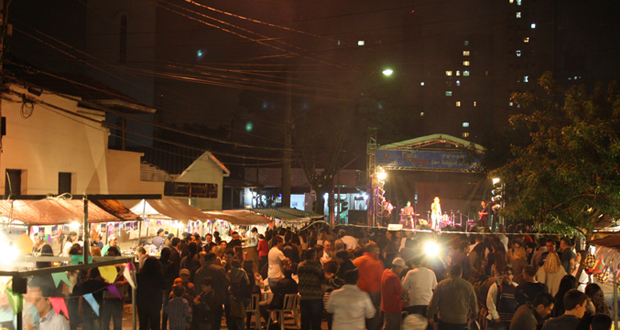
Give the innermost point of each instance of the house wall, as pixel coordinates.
(124, 174)
(205, 170)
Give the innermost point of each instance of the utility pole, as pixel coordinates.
(288, 131)
(3, 35)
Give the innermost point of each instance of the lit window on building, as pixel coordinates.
(465, 134)
(458, 73)
(466, 53)
(466, 43)
(511, 1)
(422, 83)
(533, 26)
(518, 52)
(518, 15)
(465, 63)
(465, 124)
(466, 73)
(526, 39)
(360, 43)
(526, 78)
(448, 93)
(458, 103)
(518, 2)
(458, 83)
(449, 73)
(475, 103)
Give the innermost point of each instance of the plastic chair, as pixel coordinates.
(254, 310)
(290, 305)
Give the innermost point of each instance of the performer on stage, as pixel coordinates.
(483, 214)
(435, 214)
(408, 214)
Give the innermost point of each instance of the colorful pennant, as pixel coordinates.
(130, 274)
(58, 277)
(76, 259)
(113, 290)
(16, 300)
(93, 303)
(108, 273)
(59, 305)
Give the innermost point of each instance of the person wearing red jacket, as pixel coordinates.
(391, 291)
(370, 273)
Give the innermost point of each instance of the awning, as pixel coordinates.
(170, 208)
(238, 217)
(116, 208)
(52, 211)
(288, 214)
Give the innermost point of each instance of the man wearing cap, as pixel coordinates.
(159, 240)
(391, 290)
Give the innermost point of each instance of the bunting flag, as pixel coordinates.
(93, 303)
(108, 273)
(599, 267)
(16, 300)
(55, 230)
(76, 259)
(590, 263)
(130, 274)
(58, 277)
(59, 305)
(48, 238)
(113, 290)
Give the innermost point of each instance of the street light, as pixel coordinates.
(387, 72)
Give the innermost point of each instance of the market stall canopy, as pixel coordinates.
(52, 211)
(117, 209)
(170, 208)
(288, 214)
(238, 217)
(607, 248)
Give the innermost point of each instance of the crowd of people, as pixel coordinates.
(346, 278)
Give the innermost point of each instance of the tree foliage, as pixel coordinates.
(568, 176)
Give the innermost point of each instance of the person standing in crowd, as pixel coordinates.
(276, 261)
(142, 255)
(349, 241)
(344, 265)
(207, 307)
(575, 303)
(459, 257)
(235, 241)
(370, 273)
(530, 315)
(501, 301)
(263, 252)
(597, 296)
(178, 310)
(391, 291)
(601, 322)
(550, 245)
(159, 240)
(551, 272)
(209, 244)
(538, 254)
(219, 282)
(311, 279)
(112, 307)
(350, 305)
(527, 291)
(455, 299)
(568, 255)
(419, 283)
(49, 320)
(112, 242)
(71, 239)
(149, 294)
(252, 248)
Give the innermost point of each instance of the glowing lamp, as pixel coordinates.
(381, 175)
(495, 180)
(387, 72)
(431, 249)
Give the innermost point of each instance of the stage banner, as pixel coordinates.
(425, 160)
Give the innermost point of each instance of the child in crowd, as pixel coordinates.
(207, 312)
(178, 310)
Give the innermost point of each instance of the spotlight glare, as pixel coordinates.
(388, 72)
(381, 175)
(431, 249)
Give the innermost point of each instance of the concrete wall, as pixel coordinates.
(205, 170)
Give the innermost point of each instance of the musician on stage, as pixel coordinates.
(483, 214)
(435, 214)
(408, 214)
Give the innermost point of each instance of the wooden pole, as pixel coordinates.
(614, 270)
(86, 230)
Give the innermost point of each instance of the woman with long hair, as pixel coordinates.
(149, 297)
(567, 283)
(596, 294)
(500, 264)
(551, 273)
(518, 260)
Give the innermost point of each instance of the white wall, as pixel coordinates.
(205, 170)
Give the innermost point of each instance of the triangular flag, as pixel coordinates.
(76, 259)
(16, 300)
(130, 274)
(59, 305)
(93, 303)
(108, 273)
(113, 290)
(58, 277)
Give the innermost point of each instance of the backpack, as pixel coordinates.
(506, 301)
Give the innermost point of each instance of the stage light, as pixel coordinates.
(495, 180)
(381, 176)
(387, 72)
(431, 249)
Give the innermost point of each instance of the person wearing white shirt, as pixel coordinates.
(502, 315)
(49, 319)
(349, 241)
(419, 284)
(350, 305)
(276, 261)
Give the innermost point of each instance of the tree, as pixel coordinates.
(568, 176)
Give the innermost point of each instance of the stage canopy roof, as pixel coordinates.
(55, 211)
(288, 214)
(170, 208)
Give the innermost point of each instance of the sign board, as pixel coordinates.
(421, 159)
